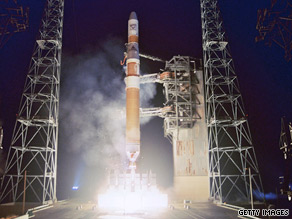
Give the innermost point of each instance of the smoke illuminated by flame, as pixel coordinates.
(92, 107)
(93, 101)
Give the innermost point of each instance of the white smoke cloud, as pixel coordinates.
(93, 104)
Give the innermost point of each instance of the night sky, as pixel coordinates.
(167, 28)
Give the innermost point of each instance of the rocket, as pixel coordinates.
(132, 81)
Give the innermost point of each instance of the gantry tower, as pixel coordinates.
(35, 138)
(231, 150)
(286, 147)
(184, 124)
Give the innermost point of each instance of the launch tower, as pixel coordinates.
(184, 124)
(185, 127)
(231, 150)
(35, 138)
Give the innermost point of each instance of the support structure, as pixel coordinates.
(231, 149)
(179, 83)
(184, 125)
(285, 145)
(35, 138)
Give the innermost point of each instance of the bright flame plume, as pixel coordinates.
(115, 199)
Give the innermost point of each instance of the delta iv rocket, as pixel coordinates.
(132, 81)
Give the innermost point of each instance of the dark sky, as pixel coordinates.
(167, 28)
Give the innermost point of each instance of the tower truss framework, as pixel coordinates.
(35, 138)
(231, 150)
(179, 82)
(286, 147)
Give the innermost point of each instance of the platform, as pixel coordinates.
(72, 209)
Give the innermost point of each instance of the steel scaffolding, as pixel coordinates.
(35, 138)
(285, 145)
(179, 82)
(231, 150)
(180, 91)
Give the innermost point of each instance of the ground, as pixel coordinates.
(83, 209)
(71, 209)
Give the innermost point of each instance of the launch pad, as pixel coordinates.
(68, 209)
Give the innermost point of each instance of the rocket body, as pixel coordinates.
(132, 81)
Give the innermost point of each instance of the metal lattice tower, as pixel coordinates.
(35, 137)
(286, 147)
(231, 149)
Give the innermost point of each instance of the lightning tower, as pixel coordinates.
(231, 150)
(35, 138)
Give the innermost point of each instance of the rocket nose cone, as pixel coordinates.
(133, 15)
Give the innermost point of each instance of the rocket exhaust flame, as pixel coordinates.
(133, 201)
(120, 196)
